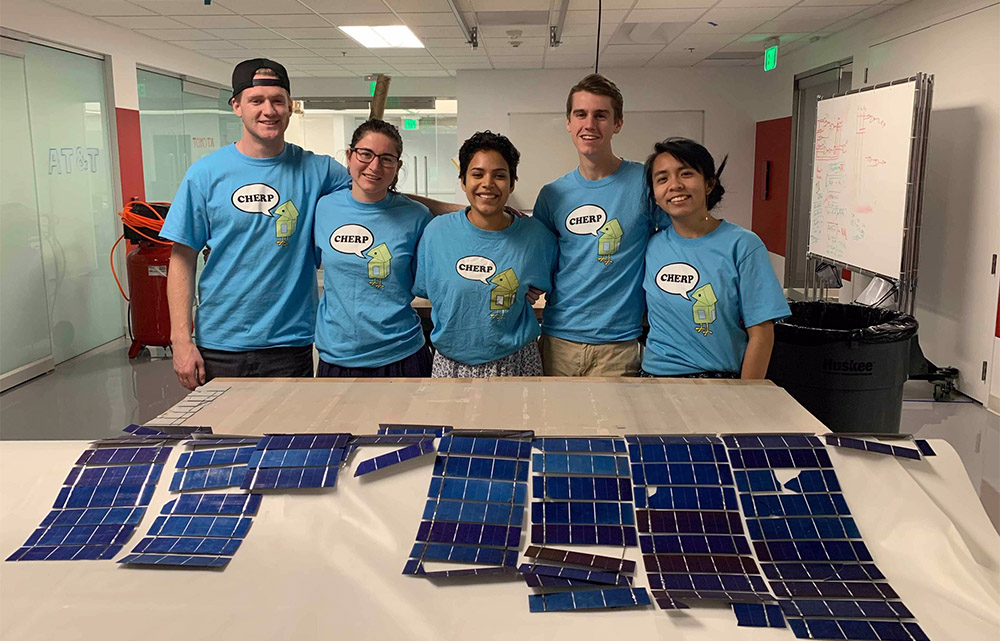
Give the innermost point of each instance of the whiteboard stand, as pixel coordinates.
(867, 204)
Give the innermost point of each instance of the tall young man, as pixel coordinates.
(602, 219)
(252, 205)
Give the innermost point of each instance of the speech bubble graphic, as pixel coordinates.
(352, 239)
(257, 198)
(586, 220)
(677, 278)
(478, 268)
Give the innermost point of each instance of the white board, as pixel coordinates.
(547, 152)
(861, 164)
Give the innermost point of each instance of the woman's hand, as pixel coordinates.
(533, 295)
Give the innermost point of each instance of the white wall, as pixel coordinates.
(126, 49)
(485, 99)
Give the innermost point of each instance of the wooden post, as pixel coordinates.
(380, 96)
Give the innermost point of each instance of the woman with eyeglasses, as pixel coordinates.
(366, 239)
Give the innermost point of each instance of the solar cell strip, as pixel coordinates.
(545, 534)
(95, 516)
(136, 441)
(477, 490)
(589, 599)
(590, 576)
(675, 474)
(483, 446)
(303, 441)
(393, 458)
(822, 571)
(481, 468)
(201, 526)
(92, 476)
(673, 438)
(676, 453)
(398, 429)
(814, 481)
(747, 458)
(66, 553)
(581, 488)
(124, 455)
(413, 567)
(925, 447)
(306, 457)
(589, 464)
(289, 478)
(179, 430)
(846, 609)
(208, 478)
(855, 629)
(862, 590)
(542, 581)
(582, 513)
(581, 445)
(215, 457)
(218, 504)
(873, 446)
(469, 511)
(215, 546)
(231, 441)
(477, 534)
(464, 554)
(709, 586)
(80, 535)
(387, 439)
(665, 602)
(761, 505)
(771, 440)
(176, 559)
(570, 557)
(687, 498)
(758, 615)
(78, 496)
(693, 544)
(689, 522)
(821, 550)
(800, 528)
(699, 564)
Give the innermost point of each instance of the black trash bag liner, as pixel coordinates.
(820, 322)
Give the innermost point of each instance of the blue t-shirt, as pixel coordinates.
(602, 227)
(702, 294)
(258, 288)
(476, 281)
(368, 253)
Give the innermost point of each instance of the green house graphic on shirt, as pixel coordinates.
(608, 240)
(378, 265)
(703, 309)
(503, 293)
(284, 223)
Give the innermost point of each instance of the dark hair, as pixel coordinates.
(488, 141)
(597, 84)
(389, 130)
(694, 156)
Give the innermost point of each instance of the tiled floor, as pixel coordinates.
(99, 393)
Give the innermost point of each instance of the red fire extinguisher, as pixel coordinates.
(146, 265)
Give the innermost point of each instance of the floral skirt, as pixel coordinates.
(526, 361)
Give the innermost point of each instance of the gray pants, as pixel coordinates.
(274, 362)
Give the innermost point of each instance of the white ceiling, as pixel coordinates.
(303, 34)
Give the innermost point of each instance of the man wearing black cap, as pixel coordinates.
(252, 205)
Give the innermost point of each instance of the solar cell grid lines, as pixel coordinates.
(589, 599)
(222, 440)
(475, 506)
(814, 628)
(124, 455)
(216, 456)
(759, 615)
(874, 446)
(387, 439)
(571, 557)
(389, 459)
(580, 445)
(295, 461)
(399, 429)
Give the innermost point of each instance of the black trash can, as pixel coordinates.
(846, 364)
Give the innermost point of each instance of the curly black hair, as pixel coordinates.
(488, 141)
(694, 156)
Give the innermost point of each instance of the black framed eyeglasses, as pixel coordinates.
(389, 161)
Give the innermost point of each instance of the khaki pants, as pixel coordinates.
(561, 357)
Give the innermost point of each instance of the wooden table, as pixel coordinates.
(548, 405)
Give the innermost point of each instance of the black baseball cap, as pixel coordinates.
(243, 75)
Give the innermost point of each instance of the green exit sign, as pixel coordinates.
(411, 123)
(770, 58)
(371, 88)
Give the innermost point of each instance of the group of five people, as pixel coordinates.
(610, 243)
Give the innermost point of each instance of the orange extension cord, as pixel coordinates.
(133, 221)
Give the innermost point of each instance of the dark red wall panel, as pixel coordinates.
(130, 154)
(772, 153)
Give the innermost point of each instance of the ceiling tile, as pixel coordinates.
(264, 7)
(318, 67)
(701, 43)
(527, 31)
(276, 22)
(145, 22)
(664, 15)
(783, 25)
(344, 6)
(246, 34)
(590, 18)
(517, 62)
(674, 59)
(216, 22)
(502, 51)
(838, 12)
(479, 64)
(783, 39)
(757, 3)
(569, 62)
(737, 27)
(313, 33)
(431, 43)
(363, 19)
(588, 5)
(831, 3)
(298, 61)
(721, 63)
(631, 49)
(177, 34)
(624, 60)
(337, 74)
(454, 51)
(405, 67)
(271, 45)
(295, 73)
(428, 19)
(445, 31)
(103, 7)
(440, 73)
(180, 7)
(207, 45)
(327, 43)
(724, 15)
(419, 6)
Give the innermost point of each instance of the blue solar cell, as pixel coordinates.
(924, 447)
(588, 599)
(544, 534)
(393, 458)
(398, 429)
(178, 560)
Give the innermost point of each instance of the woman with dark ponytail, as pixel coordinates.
(711, 293)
